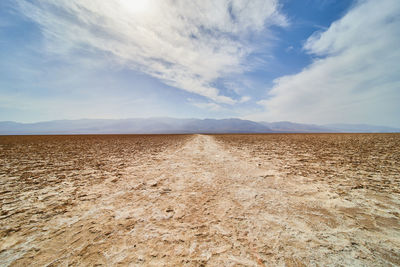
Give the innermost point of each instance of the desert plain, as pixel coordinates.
(200, 200)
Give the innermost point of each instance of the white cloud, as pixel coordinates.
(244, 99)
(210, 106)
(355, 77)
(186, 44)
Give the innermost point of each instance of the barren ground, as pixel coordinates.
(193, 200)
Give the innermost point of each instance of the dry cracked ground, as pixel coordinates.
(200, 200)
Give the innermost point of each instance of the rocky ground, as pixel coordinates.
(196, 200)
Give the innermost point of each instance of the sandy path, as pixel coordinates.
(194, 203)
(202, 205)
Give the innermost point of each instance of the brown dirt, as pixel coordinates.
(193, 200)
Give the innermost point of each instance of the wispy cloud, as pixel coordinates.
(355, 76)
(207, 105)
(185, 44)
(244, 99)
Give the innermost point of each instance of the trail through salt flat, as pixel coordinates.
(201, 205)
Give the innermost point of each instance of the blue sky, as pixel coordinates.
(311, 61)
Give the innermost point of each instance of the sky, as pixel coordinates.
(310, 61)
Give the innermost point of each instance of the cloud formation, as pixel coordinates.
(209, 106)
(355, 76)
(185, 44)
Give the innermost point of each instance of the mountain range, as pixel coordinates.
(173, 125)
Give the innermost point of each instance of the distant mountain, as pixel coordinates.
(134, 126)
(356, 128)
(173, 125)
(287, 126)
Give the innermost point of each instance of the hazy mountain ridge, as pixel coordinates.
(287, 126)
(173, 125)
(360, 127)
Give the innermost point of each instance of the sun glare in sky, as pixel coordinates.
(307, 61)
(137, 7)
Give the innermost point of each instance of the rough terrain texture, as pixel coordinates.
(179, 200)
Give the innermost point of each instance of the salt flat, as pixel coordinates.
(195, 200)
